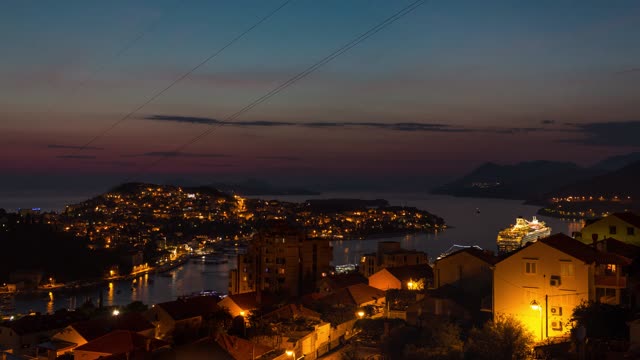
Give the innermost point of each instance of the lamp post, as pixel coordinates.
(536, 307)
(291, 353)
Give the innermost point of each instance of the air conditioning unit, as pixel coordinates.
(555, 281)
(556, 325)
(556, 310)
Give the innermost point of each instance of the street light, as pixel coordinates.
(360, 314)
(291, 353)
(536, 307)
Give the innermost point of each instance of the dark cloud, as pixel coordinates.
(548, 122)
(616, 134)
(211, 121)
(259, 123)
(83, 157)
(183, 119)
(178, 154)
(277, 157)
(407, 126)
(427, 127)
(73, 147)
(521, 130)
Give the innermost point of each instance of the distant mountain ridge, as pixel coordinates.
(537, 181)
(621, 182)
(524, 180)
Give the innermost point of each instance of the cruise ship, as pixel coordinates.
(516, 236)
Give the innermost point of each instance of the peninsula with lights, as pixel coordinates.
(139, 228)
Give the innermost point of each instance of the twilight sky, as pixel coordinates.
(447, 87)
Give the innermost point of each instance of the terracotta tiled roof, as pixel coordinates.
(241, 349)
(629, 218)
(415, 272)
(343, 280)
(354, 295)
(618, 247)
(484, 255)
(291, 312)
(190, 307)
(246, 301)
(92, 329)
(121, 342)
(40, 323)
(579, 250)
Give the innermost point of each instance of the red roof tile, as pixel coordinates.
(579, 250)
(190, 307)
(121, 342)
(92, 329)
(415, 272)
(484, 255)
(291, 312)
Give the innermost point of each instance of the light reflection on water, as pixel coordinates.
(468, 228)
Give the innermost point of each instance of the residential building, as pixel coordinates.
(620, 226)
(331, 283)
(543, 282)
(122, 343)
(390, 254)
(82, 332)
(466, 269)
(182, 317)
(412, 277)
(24, 334)
(240, 304)
(281, 259)
(357, 296)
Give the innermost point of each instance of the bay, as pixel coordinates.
(471, 221)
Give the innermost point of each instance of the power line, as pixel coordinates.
(344, 48)
(182, 77)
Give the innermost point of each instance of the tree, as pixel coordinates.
(136, 306)
(602, 321)
(504, 338)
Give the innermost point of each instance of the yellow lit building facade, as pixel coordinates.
(543, 282)
(620, 226)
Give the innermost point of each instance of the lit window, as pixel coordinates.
(567, 269)
(530, 267)
(631, 231)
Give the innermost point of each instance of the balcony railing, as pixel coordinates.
(611, 281)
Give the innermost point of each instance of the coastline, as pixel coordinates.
(84, 284)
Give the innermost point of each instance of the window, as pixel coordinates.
(612, 230)
(530, 267)
(611, 269)
(631, 231)
(567, 269)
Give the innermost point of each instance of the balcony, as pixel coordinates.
(611, 281)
